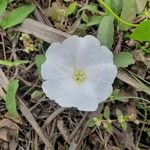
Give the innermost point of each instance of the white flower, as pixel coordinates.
(78, 73)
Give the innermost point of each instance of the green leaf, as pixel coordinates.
(90, 123)
(119, 113)
(85, 17)
(106, 113)
(128, 13)
(16, 16)
(109, 128)
(92, 8)
(14, 63)
(142, 32)
(124, 125)
(3, 6)
(117, 6)
(36, 94)
(123, 59)
(39, 60)
(141, 5)
(106, 31)
(11, 97)
(19, 62)
(121, 119)
(70, 9)
(95, 20)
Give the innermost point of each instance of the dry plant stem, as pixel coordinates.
(106, 141)
(73, 134)
(46, 20)
(63, 131)
(52, 129)
(39, 101)
(25, 111)
(36, 142)
(3, 43)
(52, 116)
(142, 129)
(118, 46)
(82, 135)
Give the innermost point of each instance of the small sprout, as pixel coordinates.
(122, 119)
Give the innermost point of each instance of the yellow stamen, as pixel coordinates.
(79, 76)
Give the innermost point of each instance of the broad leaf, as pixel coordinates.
(142, 32)
(11, 97)
(123, 59)
(95, 20)
(39, 60)
(128, 13)
(117, 6)
(71, 8)
(92, 8)
(141, 5)
(106, 113)
(3, 6)
(16, 16)
(106, 31)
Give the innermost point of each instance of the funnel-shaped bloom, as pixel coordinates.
(78, 73)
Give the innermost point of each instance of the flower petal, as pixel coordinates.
(83, 97)
(53, 70)
(102, 74)
(101, 79)
(87, 51)
(54, 89)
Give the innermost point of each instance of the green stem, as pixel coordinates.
(119, 19)
(132, 97)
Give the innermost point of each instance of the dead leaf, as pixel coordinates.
(9, 133)
(42, 31)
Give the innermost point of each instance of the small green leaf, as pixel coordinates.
(121, 119)
(123, 59)
(16, 16)
(11, 97)
(142, 32)
(85, 17)
(19, 62)
(119, 113)
(90, 123)
(70, 9)
(106, 113)
(39, 60)
(3, 6)
(95, 20)
(36, 95)
(6, 63)
(13, 63)
(106, 31)
(109, 128)
(124, 125)
(92, 8)
(128, 13)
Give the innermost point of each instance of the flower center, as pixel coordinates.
(79, 76)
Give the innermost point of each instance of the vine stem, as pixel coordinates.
(118, 18)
